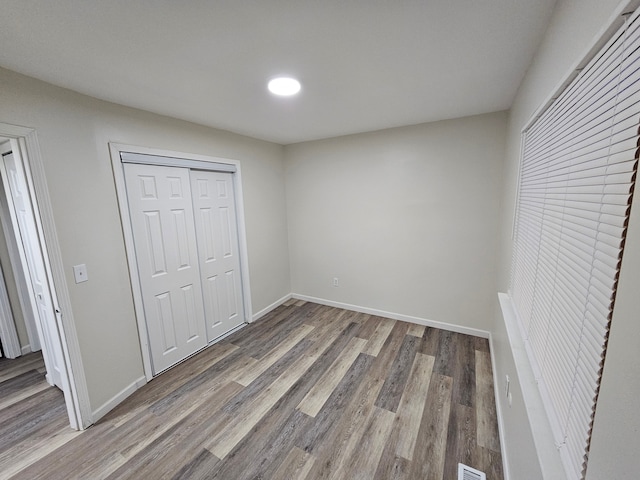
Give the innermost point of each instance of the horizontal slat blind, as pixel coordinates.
(578, 171)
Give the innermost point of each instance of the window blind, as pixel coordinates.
(578, 171)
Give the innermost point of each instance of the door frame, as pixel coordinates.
(183, 160)
(24, 141)
(31, 250)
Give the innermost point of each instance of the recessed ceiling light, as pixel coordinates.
(284, 86)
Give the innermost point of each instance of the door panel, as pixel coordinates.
(155, 246)
(31, 256)
(217, 236)
(232, 295)
(162, 221)
(164, 311)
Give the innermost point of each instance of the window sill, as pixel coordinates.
(547, 453)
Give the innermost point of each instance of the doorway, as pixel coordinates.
(35, 263)
(37, 296)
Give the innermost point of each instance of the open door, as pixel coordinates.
(24, 226)
(25, 185)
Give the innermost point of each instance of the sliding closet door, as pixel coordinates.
(162, 220)
(217, 234)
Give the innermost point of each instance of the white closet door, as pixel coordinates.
(164, 236)
(217, 234)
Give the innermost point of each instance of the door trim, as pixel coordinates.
(159, 161)
(184, 160)
(25, 141)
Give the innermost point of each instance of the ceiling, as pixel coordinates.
(364, 64)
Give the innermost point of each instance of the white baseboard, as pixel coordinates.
(397, 316)
(499, 394)
(25, 349)
(271, 307)
(109, 405)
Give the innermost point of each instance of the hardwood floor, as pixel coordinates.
(308, 392)
(33, 415)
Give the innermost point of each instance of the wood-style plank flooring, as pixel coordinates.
(308, 392)
(33, 416)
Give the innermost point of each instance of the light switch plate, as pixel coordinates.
(80, 273)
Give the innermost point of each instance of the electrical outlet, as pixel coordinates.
(336, 282)
(80, 273)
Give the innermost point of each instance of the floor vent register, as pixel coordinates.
(467, 473)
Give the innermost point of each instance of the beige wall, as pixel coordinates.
(574, 25)
(407, 218)
(73, 133)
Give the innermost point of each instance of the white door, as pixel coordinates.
(164, 236)
(15, 185)
(217, 234)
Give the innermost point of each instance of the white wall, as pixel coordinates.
(573, 28)
(73, 133)
(407, 218)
